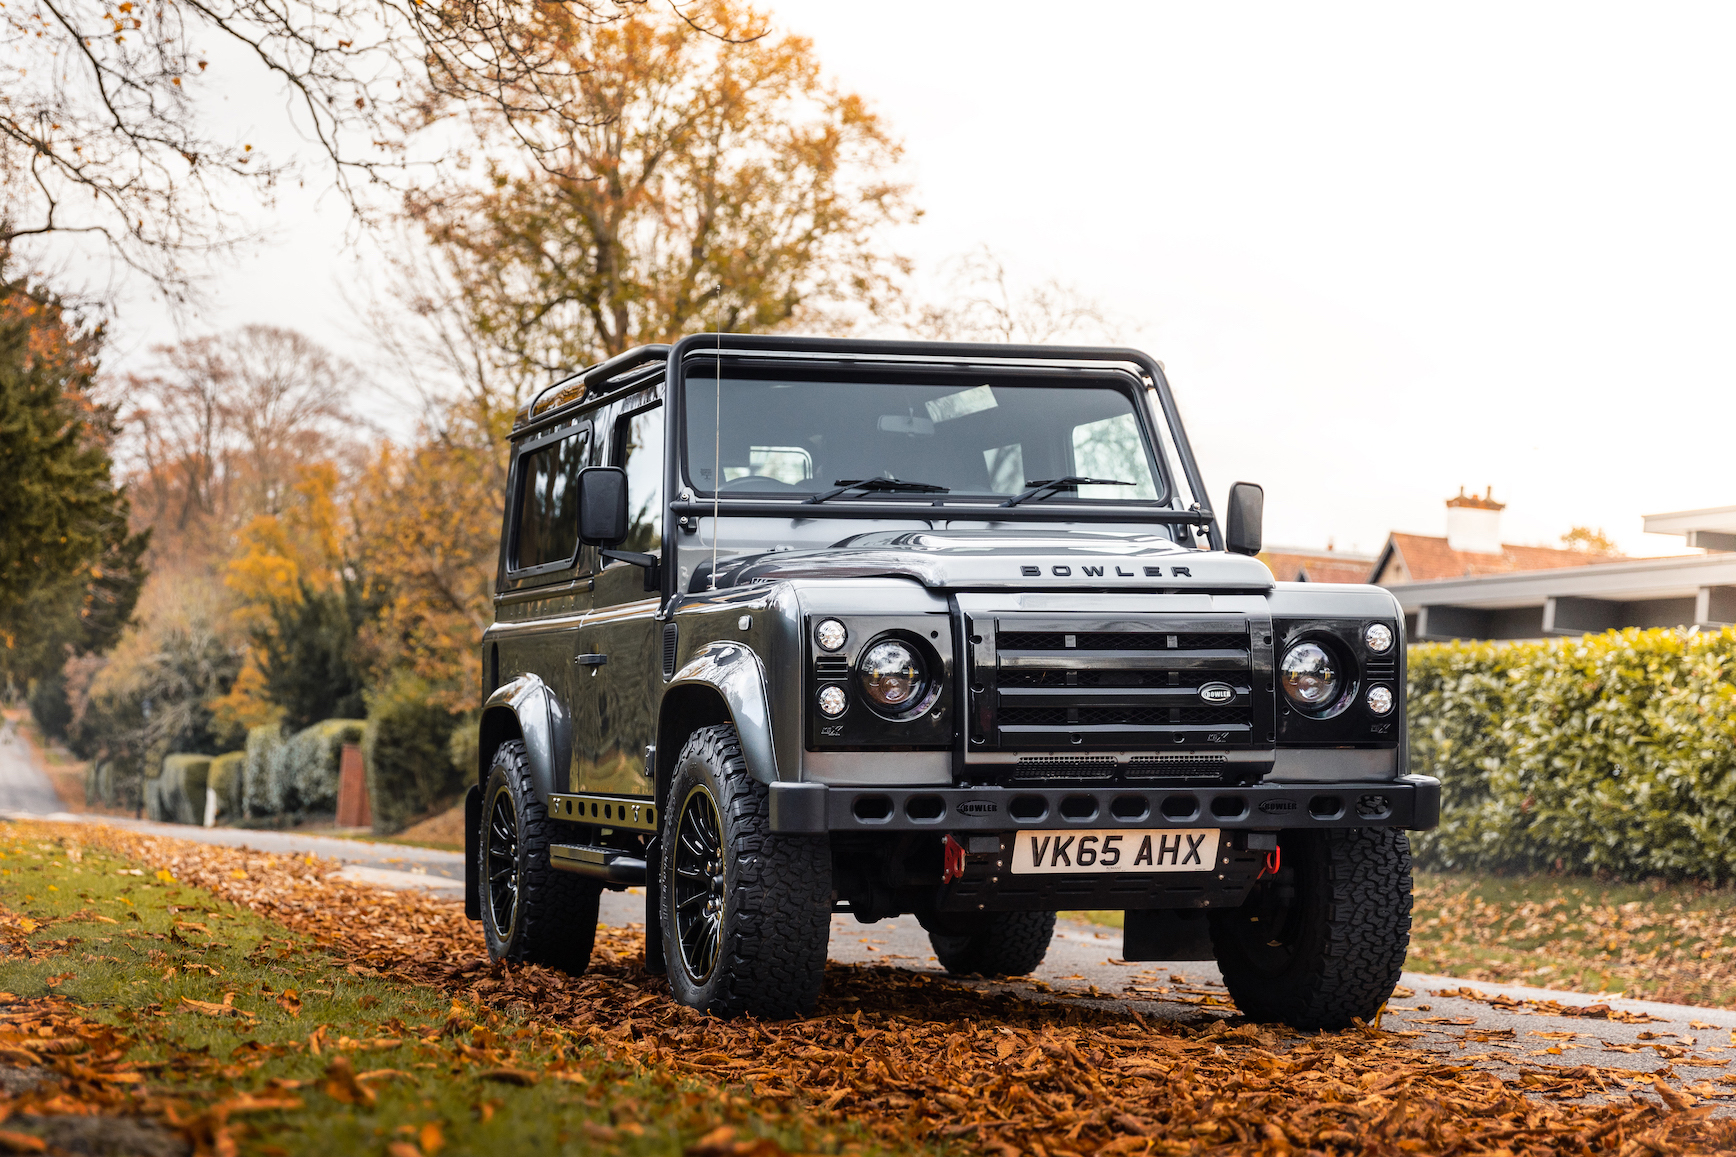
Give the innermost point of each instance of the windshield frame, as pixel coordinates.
(701, 363)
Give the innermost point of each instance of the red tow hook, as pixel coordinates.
(1274, 860)
(953, 851)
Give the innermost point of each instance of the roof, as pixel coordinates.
(1317, 566)
(1420, 558)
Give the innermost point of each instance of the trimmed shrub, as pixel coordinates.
(258, 787)
(176, 794)
(1609, 753)
(306, 767)
(225, 782)
(408, 754)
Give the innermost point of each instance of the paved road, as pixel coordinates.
(1506, 1029)
(23, 787)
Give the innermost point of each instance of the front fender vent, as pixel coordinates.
(671, 636)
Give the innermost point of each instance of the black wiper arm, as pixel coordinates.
(845, 485)
(1071, 482)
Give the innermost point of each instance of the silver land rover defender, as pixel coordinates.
(787, 627)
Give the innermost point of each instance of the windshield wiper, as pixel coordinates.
(1071, 482)
(845, 485)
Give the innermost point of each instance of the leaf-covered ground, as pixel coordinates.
(454, 1047)
(1654, 941)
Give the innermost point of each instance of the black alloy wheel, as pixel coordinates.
(745, 911)
(531, 911)
(500, 860)
(698, 885)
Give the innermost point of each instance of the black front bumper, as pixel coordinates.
(1411, 801)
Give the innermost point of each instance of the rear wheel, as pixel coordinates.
(990, 943)
(531, 912)
(746, 912)
(1322, 942)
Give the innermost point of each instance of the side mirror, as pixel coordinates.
(602, 505)
(1243, 519)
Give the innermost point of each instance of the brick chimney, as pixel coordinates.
(1474, 524)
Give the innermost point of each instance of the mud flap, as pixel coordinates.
(1166, 934)
(472, 852)
(654, 961)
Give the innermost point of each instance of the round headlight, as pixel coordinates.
(830, 634)
(892, 675)
(833, 700)
(1378, 636)
(1380, 700)
(1310, 676)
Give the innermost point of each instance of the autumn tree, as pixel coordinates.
(981, 302)
(70, 567)
(107, 129)
(219, 432)
(676, 170)
(1584, 538)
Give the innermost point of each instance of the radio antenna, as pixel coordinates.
(716, 455)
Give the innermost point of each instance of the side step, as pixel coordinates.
(608, 864)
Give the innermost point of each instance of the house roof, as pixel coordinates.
(1317, 566)
(1420, 558)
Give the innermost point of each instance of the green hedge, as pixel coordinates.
(176, 794)
(225, 782)
(296, 774)
(409, 754)
(258, 788)
(1611, 753)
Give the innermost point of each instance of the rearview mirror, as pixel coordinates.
(1243, 520)
(602, 505)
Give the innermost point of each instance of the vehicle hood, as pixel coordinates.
(1026, 560)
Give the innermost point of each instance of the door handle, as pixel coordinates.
(591, 660)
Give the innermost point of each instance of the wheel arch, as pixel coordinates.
(722, 683)
(519, 710)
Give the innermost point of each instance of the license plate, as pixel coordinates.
(1116, 850)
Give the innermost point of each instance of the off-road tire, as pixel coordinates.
(1323, 942)
(990, 943)
(772, 893)
(554, 921)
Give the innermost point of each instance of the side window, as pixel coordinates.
(548, 511)
(639, 448)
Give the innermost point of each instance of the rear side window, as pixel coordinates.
(548, 507)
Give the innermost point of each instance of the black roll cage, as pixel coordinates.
(634, 367)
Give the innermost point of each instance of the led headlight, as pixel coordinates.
(1309, 676)
(830, 634)
(1380, 700)
(1378, 637)
(892, 675)
(833, 700)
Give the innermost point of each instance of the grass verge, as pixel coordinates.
(132, 995)
(1653, 940)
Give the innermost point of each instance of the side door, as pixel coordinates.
(547, 588)
(621, 634)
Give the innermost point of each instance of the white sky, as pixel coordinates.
(1383, 251)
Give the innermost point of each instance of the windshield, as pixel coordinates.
(802, 438)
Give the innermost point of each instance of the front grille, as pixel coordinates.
(1118, 641)
(1128, 684)
(1193, 679)
(1138, 715)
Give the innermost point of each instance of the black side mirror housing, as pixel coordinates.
(1244, 518)
(602, 505)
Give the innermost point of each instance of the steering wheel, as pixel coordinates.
(757, 482)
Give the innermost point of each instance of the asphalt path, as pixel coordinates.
(1505, 1028)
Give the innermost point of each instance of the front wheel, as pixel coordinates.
(531, 911)
(746, 912)
(1322, 942)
